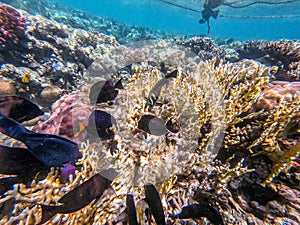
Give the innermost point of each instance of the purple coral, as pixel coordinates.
(67, 114)
(12, 27)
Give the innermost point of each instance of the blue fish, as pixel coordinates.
(51, 150)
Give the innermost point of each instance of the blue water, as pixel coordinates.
(158, 15)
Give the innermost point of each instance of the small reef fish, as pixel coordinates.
(100, 122)
(19, 108)
(78, 198)
(155, 92)
(201, 210)
(152, 125)
(20, 163)
(154, 202)
(81, 128)
(26, 78)
(51, 150)
(131, 210)
(104, 91)
(67, 170)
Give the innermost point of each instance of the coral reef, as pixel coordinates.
(228, 186)
(285, 55)
(13, 27)
(56, 55)
(205, 48)
(123, 33)
(275, 92)
(201, 129)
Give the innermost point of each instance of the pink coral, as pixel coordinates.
(69, 113)
(13, 26)
(275, 92)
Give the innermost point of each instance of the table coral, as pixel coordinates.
(13, 27)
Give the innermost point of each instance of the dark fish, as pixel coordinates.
(17, 161)
(173, 74)
(131, 210)
(201, 210)
(78, 198)
(18, 108)
(101, 122)
(20, 163)
(155, 92)
(119, 84)
(153, 199)
(104, 91)
(51, 150)
(152, 125)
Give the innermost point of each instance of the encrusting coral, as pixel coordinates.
(67, 113)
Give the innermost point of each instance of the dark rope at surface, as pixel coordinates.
(258, 2)
(259, 17)
(181, 6)
(236, 7)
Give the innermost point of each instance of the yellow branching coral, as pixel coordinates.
(204, 101)
(241, 85)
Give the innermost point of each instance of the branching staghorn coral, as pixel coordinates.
(204, 101)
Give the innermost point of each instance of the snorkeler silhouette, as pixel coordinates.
(208, 11)
(209, 6)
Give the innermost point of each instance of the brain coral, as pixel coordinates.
(13, 27)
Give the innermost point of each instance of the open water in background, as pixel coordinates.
(159, 15)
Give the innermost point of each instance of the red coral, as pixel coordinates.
(12, 27)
